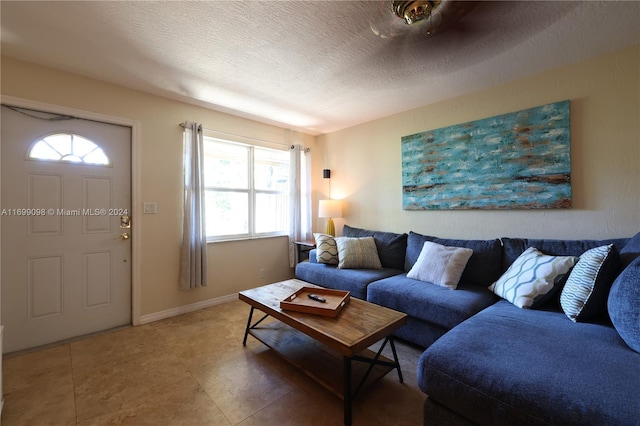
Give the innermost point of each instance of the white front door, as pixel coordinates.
(66, 252)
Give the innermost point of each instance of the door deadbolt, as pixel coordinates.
(125, 222)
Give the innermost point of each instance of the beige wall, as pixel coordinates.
(365, 167)
(365, 160)
(233, 266)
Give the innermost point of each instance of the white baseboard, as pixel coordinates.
(156, 316)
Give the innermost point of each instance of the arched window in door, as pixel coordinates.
(68, 148)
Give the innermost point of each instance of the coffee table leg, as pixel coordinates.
(347, 391)
(246, 330)
(395, 359)
(250, 326)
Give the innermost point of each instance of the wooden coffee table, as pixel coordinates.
(324, 347)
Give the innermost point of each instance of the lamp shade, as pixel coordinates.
(330, 208)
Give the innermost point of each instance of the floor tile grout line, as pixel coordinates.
(188, 369)
(73, 382)
(294, 388)
(169, 352)
(201, 385)
(156, 337)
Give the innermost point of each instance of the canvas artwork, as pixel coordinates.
(519, 160)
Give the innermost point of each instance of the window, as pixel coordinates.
(247, 190)
(68, 148)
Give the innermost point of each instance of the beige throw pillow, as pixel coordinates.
(357, 253)
(440, 265)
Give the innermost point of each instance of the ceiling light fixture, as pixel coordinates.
(414, 12)
(423, 16)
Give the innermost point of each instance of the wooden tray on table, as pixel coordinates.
(299, 301)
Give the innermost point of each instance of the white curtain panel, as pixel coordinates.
(306, 232)
(193, 270)
(300, 199)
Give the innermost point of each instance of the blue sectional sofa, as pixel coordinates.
(488, 361)
(391, 248)
(432, 310)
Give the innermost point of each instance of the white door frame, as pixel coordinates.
(135, 181)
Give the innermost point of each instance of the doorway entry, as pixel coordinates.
(66, 227)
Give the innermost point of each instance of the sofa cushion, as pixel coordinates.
(584, 295)
(484, 266)
(624, 306)
(631, 250)
(420, 332)
(326, 249)
(391, 247)
(440, 265)
(514, 247)
(521, 366)
(532, 278)
(429, 302)
(357, 253)
(353, 280)
(313, 257)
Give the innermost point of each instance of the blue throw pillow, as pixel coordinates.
(584, 296)
(391, 247)
(624, 309)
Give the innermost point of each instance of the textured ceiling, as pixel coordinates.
(308, 65)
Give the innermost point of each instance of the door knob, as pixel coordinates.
(123, 236)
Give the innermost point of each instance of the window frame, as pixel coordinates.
(251, 191)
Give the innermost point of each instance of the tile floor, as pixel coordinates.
(189, 370)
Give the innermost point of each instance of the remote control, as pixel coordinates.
(316, 298)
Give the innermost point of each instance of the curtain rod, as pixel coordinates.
(241, 136)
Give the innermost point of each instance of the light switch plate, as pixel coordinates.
(149, 207)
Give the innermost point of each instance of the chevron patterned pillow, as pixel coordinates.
(326, 249)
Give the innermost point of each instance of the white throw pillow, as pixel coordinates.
(440, 265)
(531, 277)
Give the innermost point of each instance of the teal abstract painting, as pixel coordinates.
(519, 160)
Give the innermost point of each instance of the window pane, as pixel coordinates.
(44, 151)
(81, 146)
(227, 213)
(271, 169)
(226, 165)
(70, 148)
(60, 142)
(97, 156)
(272, 213)
(72, 159)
